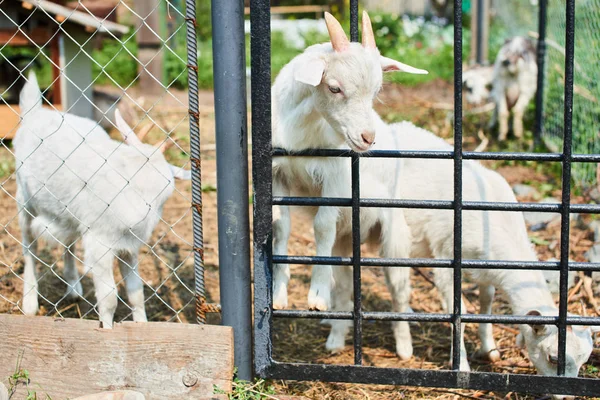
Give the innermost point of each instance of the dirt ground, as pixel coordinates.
(166, 265)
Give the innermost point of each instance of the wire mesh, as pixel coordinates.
(520, 18)
(90, 66)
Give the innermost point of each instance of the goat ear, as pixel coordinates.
(180, 173)
(537, 329)
(310, 72)
(389, 65)
(128, 134)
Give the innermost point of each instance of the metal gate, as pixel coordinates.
(262, 153)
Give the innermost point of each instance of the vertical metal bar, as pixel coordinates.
(260, 51)
(480, 34)
(456, 311)
(541, 59)
(190, 18)
(356, 269)
(232, 174)
(354, 20)
(566, 185)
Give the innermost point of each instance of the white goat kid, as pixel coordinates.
(514, 83)
(485, 235)
(477, 84)
(324, 99)
(74, 182)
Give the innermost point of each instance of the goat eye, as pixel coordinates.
(335, 89)
(553, 359)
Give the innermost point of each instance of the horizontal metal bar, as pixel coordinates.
(435, 317)
(430, 204)
(435, 263)
(439, 154)
(500, 382)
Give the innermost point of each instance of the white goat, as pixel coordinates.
(514, 83)
(74, 182)
(323, 99)
(477, 84)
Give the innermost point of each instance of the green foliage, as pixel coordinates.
(116, 59)
(43, 71)
(419, 42)
(203, 19)
(245, 390)
(175, 61)
(21, 377)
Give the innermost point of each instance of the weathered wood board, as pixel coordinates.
(70, 358)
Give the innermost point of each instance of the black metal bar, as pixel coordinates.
(456, 309)
(566, 186)
(479, 56)
(432, 378)
(435, 317)
(356, 270)
(436, 263)
(436, 204)
(541, 58)
(439, 154)
(232, 172)
(431, 204)
(260, 50)
(354, 20)
(190, 13)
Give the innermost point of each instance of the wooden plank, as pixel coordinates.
(294, 9)
(66, 358)
(9, 115)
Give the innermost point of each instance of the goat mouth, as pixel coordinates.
(357, 147)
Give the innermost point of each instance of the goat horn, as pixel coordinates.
(144, 131)
(338, 37)
(368, 38)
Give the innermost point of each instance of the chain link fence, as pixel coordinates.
(520, 18)
(76, 197)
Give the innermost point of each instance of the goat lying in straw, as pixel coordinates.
(324, 99)
(74, 182)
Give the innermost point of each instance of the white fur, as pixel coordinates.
(74, 182)
(514, 83)
(477, 83)
(307, 117)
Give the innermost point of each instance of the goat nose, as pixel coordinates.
(368, 137)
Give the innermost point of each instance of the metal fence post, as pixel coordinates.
(541, 55)
(232, 174)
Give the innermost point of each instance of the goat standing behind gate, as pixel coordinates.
(323, 99)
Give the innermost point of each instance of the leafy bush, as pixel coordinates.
(422, 43)
(116, 59)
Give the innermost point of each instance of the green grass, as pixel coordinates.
(21, 377)
(245, 390)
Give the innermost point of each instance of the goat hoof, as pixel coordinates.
(335, 343)
(404, 351)
(319, 299)
(30, 304)
(280, 298)
(489, 356)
